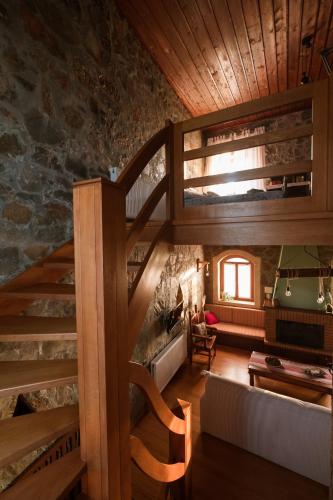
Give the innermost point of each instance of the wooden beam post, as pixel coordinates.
(101, 310)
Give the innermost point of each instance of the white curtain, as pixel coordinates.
(234, 162)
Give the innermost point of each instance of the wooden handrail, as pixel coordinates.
(134, 168)
(249, 142)
(296, 167)
(249, 108)
(140, 376)
(145, 283)
(165, 473)
(144, 214)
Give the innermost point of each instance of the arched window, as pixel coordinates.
(236, 278)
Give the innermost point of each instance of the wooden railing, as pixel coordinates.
(178, 471)
(108, 324)
(315, 96)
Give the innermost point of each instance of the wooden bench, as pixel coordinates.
(239, 322)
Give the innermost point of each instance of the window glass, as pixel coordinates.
(229, 279)
(237, 259)
(244, 281)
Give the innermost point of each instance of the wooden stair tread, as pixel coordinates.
(21, 435)
(60, 262)
(18, 377)
(34, 328)
(57, 291)
(51, 482)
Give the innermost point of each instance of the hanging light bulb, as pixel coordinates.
(207, 270)
(321, 296)
(288, 291)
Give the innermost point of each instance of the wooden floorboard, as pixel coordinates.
(222, 471)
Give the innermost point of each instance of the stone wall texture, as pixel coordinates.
(78, 94)
(288, 151)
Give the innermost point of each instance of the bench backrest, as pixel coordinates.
(239, 315)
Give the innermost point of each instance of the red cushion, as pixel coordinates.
(210, 318)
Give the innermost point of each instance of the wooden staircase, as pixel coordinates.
(58, 476)
(22, 435)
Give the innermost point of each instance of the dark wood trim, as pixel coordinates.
(316, 272)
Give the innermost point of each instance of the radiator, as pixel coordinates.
(167, 362)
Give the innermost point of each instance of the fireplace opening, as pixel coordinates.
(300, 334)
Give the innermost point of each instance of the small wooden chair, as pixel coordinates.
(199, 343)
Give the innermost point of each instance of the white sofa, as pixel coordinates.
(287, 431)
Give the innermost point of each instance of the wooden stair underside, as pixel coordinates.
(59, 263)
(21, 435)
(51, 483)
(33, 329)
(18, 377)
(52, 291)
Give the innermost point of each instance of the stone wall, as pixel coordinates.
(78, 94)
(288, 151)
(179, 276)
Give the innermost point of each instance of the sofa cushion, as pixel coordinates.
(284, 430)
(200, 328)
(240, 330)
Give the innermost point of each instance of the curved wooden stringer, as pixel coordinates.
(141, 377)
(165, 473)
(177, 473)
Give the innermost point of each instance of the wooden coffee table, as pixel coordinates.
(291, 372)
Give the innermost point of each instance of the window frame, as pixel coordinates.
(226, 260)
(257, 288)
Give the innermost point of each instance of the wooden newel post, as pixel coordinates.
(101, 310)
(180, 450)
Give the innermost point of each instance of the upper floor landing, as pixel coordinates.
(256, 173)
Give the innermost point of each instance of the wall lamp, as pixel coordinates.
(203, 264)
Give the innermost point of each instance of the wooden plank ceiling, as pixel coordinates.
(217, 53)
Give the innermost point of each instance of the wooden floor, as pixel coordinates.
(220, 470)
